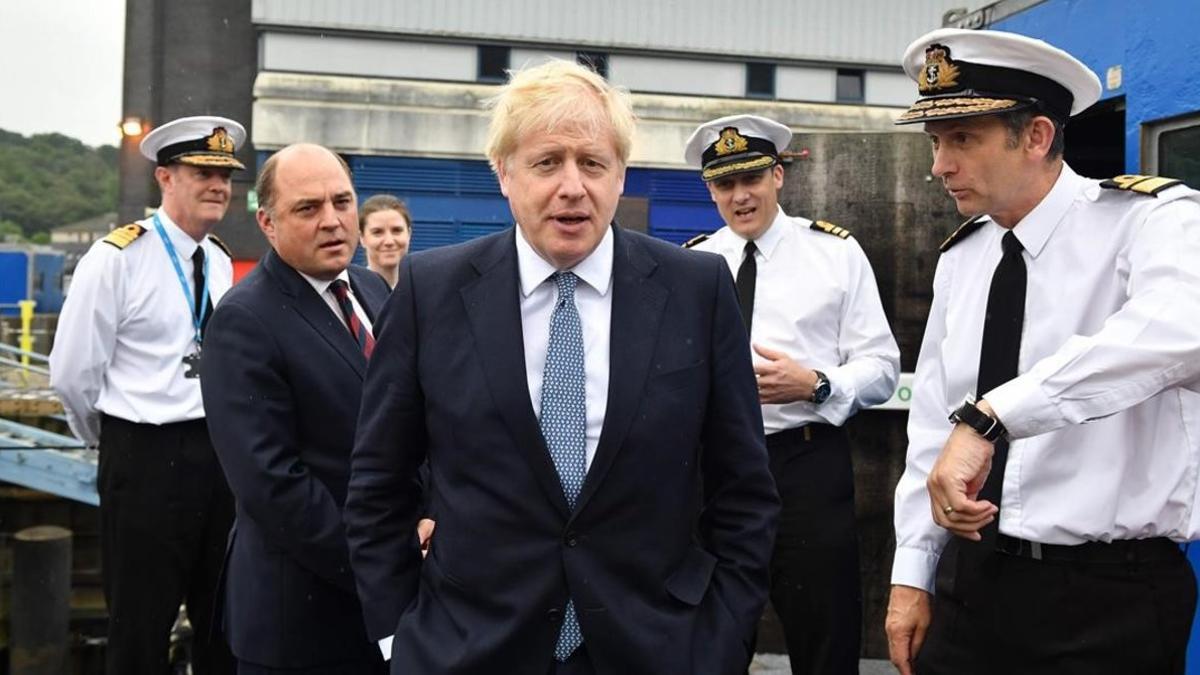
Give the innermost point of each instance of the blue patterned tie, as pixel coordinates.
(564, 419)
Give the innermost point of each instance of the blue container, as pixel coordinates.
(30, 273)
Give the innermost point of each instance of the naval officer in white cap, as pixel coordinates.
(1054, 461)
(125, 364)
(823, 350)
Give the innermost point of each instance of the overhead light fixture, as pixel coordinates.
(133, 126)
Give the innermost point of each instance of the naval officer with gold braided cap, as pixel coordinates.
(823, 350)
(125, 363)
(1053, 460)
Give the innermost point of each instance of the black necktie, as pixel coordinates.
(1000, 351)
(198, 286)
(747, 275)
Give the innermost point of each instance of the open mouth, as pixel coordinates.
(745, 212)
(330, 245)
(570, 219)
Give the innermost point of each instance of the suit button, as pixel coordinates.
(572, 540)
(555, 615)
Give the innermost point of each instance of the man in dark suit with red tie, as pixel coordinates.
(584, 399)
(282, 373)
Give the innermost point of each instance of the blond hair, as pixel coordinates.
(555, 96)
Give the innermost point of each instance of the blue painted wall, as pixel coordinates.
(1154, 42)
(456, 200)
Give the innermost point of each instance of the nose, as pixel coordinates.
(570, 185)
(942, 163)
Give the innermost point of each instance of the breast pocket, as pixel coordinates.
(666, 381)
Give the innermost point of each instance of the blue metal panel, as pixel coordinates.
(14, 280)
(48, 462)
(47, 284)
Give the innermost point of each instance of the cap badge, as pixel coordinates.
(730, 142)
(939, 72)
(219, 141)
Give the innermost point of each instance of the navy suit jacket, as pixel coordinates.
(282, 380)
(665, 554)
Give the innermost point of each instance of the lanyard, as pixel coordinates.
(191, 301)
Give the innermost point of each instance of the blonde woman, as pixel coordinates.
(386, 229)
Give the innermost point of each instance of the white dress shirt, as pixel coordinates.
(593, 300)
(125, 328)
(1105, 414)
(815, 299)
(321, 286)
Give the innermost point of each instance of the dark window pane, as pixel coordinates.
(597, 61)
(493, 61)
(849, 86)
(760, 80)
(1179, 154)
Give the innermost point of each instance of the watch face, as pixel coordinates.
(822, 391)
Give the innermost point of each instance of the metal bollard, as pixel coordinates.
(41, 601)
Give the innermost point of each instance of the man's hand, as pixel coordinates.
(782, 380)
(908, 616)
(425, 534)
(955, 481)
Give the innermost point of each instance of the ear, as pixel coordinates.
(1040, 135)
(164, 177)
(266, 225)
(777, 176)
(712, 192)
(502, 176)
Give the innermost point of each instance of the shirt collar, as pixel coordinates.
(322, 285)
(184, 245)
(1036, 227)
(769, 240)
(595, 270)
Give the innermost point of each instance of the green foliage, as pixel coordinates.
(47, 180)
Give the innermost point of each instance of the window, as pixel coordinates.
(493, 61)
(1179, 154)
(760, 80)
(597, 61)
(850, 86)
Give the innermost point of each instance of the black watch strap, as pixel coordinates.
(984, 424)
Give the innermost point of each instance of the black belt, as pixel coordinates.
(808, 433)
(122, 422)
(1158, 549)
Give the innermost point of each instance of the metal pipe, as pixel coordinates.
(41, 601)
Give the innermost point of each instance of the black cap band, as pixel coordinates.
(754, 146)
(176, 150)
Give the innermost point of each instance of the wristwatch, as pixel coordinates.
(822, 389)
(984, 424)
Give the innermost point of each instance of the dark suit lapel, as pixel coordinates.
(370, 295)
(315, 312)
(637, 307)
(494, 311)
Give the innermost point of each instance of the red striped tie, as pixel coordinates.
(366, 342)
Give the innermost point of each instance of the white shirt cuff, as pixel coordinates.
(914, 567)
(1023, 408)
(385, 646)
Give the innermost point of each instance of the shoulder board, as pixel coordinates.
(965, 230)
(1147, 185)
(830, 228)
(698, 239)
(125, 235)
(220, 244)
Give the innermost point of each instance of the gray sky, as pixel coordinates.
(61, 64)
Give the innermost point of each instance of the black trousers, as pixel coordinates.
(375, 667)
(815, 585)
(165, 514)
(996, 613)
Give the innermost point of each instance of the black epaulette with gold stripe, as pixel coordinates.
(830, 228)
(1146, 185)
(698, 239)
(220, 244)
(965, 230)
(124, 236)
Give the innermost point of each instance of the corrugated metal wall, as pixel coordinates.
(855, 31)
(456, 200)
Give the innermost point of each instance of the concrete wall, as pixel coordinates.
(365, 116)
(185, 59)
(1153, 45)
(878, 186)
